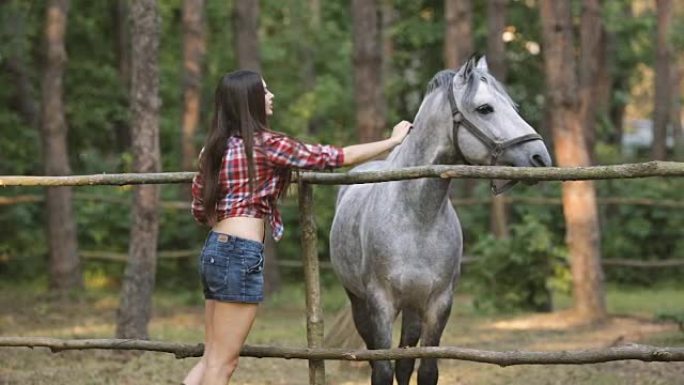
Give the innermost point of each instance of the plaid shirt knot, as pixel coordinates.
(274, 155)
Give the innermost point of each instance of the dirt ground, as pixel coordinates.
(284, 324)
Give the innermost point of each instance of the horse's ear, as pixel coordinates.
(482, 64)
(467, 69)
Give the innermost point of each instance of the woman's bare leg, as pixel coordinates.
(194, 377)
(230, 326)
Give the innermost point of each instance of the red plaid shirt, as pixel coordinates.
(274, 155)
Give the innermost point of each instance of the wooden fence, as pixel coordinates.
(315, 353)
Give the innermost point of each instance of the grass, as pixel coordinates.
(636, 301)
(27, 310)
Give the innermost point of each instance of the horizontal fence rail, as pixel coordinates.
(550, 201)
(98, 179)
(530, 200)
(8, 200)
(638, 352)
(181, 254)
(622, 171)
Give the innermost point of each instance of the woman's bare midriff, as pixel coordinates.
(242, 227)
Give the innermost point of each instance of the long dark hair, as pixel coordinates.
(239, 110)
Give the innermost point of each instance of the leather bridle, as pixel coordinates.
(496, 147)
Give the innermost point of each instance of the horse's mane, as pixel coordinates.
(442, 79)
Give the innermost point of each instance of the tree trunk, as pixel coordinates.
(458, 37)
(590, 47)
(458, 47)
(138, 284)
(123, 56)
(605, 75)
(246, 34)
(193, 58)
(621, 83)
(368, 91)
(65, 268)
(307, 21)
(496, 22)
(496, 49)
(498, 217)
(661, 109)
(309, 58)
(676, 115)
(579, 198)
(389, 17)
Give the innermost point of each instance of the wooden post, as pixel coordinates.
(314, 314)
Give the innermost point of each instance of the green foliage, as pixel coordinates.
(291, 49)
(22, 245)
(517, 273)
(96, 100)
(678, 318)
(642, 232)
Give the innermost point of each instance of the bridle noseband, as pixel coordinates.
(496, 147)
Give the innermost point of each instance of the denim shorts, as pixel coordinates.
(231, 269)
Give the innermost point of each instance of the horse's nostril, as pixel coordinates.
(538, 160)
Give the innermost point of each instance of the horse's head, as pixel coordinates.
(487, 127)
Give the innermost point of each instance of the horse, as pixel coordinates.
(396, 246)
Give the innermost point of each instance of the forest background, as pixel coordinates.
(342, 72)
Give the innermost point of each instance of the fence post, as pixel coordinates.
(314, 314)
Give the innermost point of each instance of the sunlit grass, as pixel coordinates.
(636, 301)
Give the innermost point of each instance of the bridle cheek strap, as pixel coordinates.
(496, 147)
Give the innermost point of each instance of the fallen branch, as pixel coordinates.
(623, 171)
(504, 358)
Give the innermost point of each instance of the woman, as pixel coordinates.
(244, 167)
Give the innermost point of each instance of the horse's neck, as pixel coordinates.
(430, 142)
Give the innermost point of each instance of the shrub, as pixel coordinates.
(517, 273)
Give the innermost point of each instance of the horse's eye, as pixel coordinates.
(485, 109)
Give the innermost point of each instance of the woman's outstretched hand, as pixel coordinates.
(400, 131)
(358, 153)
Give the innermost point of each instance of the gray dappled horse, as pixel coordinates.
(396, 246)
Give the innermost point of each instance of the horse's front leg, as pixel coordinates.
(434, 321)
(382, 313)
(410, 333)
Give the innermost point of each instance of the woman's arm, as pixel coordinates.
(283, 151)
(197, 206)
(359, 153)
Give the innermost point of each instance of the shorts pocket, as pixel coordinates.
(254, 262)
(215, 273)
